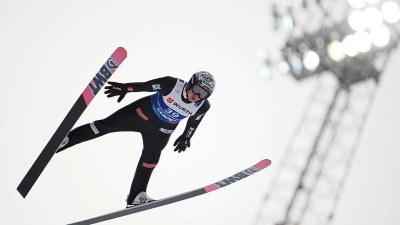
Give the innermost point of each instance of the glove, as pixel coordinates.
(181, 144)
(117, 89)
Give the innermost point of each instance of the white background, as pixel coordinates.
(50, 50)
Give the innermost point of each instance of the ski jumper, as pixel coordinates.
(155, 116)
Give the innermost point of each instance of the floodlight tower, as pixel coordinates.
(347, 44)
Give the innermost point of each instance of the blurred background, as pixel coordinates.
(308, 84)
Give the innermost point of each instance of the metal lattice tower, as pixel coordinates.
(312, 173)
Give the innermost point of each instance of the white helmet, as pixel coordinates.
(202, 83)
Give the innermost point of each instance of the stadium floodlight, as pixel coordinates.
(283, 67)
(390, 12)
(287, 22)
(380, 36)
(363, 30)
(357, 20)
(310, 60)
(349, 45)
(336, 51)
(363, 41)
(373, 17)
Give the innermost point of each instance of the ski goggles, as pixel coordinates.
(198, 90)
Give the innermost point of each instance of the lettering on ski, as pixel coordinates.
(102, 76)
(239, 176)
(245, 173)
(236, 177)
(73, 115)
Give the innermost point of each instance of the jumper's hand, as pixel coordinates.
(116, 89)
(181, 144)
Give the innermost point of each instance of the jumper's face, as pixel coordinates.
(192, 97)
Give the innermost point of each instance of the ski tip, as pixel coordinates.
(263, 164)
(119, 55)
(268, 161)
(122, 51)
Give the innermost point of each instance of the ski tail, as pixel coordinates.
(207, 189)
(101, 77)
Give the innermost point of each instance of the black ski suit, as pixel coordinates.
(143, 116)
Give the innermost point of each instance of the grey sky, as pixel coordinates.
(50, 50)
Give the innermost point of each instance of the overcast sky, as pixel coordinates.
(50, 50)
